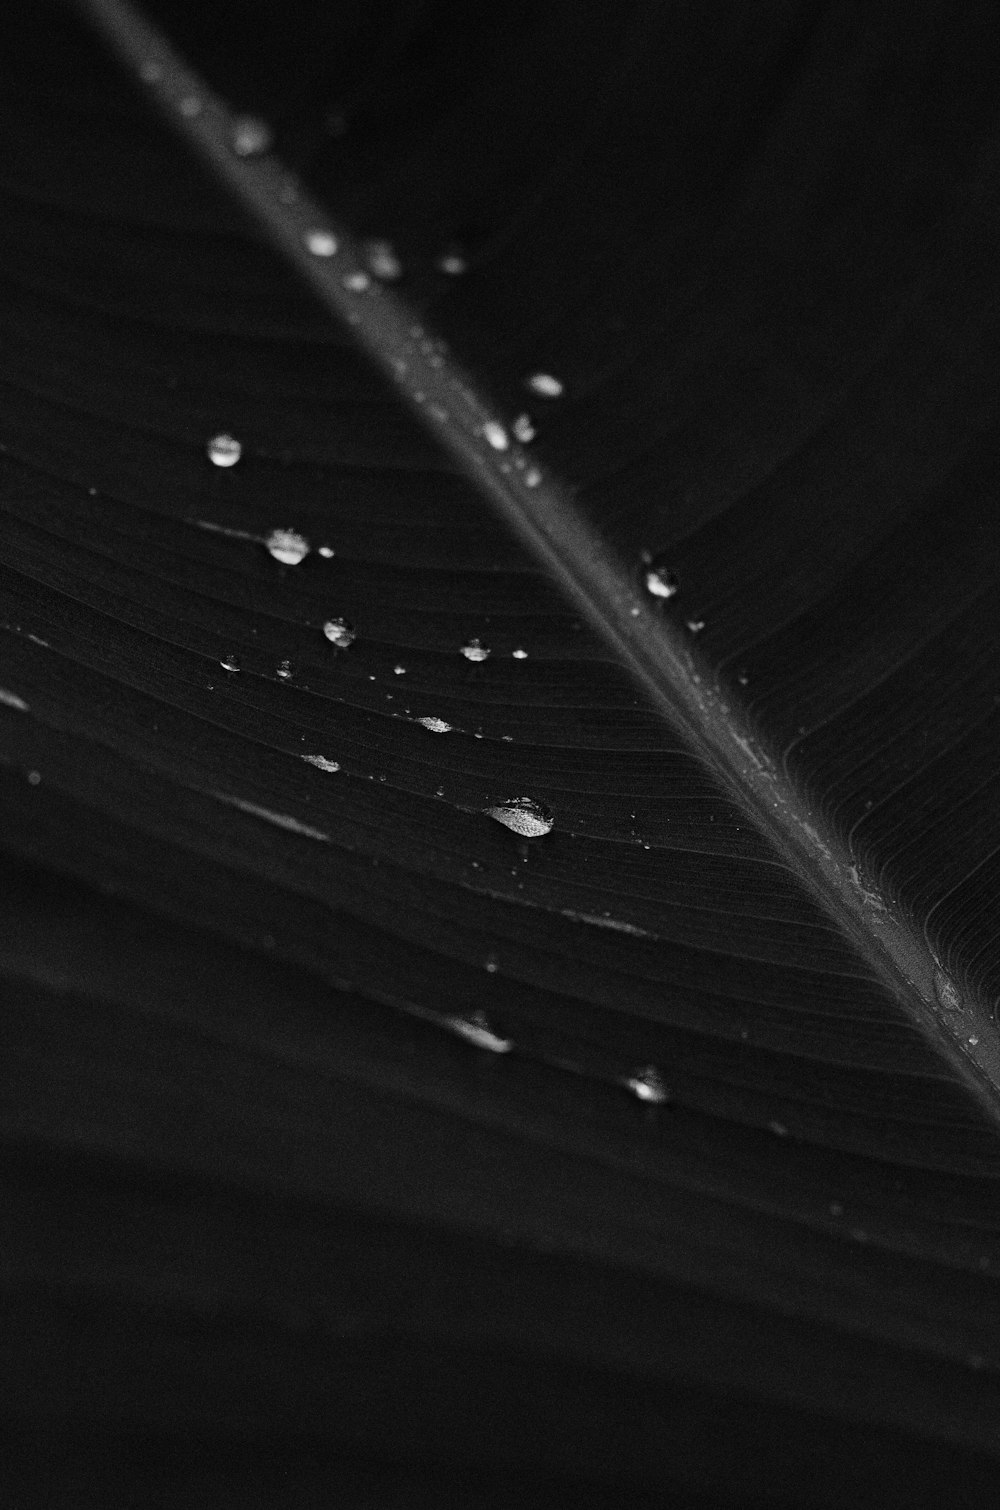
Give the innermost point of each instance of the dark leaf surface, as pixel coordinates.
(273, 1213)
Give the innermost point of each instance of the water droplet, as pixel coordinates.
(477, 1030)
(326, 551)
(34, 778)
(496, 435)
(321, 762)
(151, 72)
(947, 992)
(452, 262)
(287, 546)
(321, 243)
(251, 136)
(647, 1085)
(383, 261)
(399, 670)
(435, 725)
(285, 670)
(696, 625)
(474, 650)
(523, 816)
(545, 384)
(231, 663)
(223, 450)
(519, 655)
(523, 429)
(660, 583)
(532, 477)
(190, 106)
(339, 633)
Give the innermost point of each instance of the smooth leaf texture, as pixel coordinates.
(277, 1225)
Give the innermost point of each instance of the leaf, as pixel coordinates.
(725, 1206)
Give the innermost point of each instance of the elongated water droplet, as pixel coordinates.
(523, 429)
(544, 384)
(647, 1085)
(475, 650)
(523, 816)
(339, 633)
(223, 450)
(947, 992)
(435, 725)
(660, 583)
(321, 243)
(251, 136)
(231, 663)
(519, 655)
(325, 551)
(321, 762)
(477, 1030)
(285, 670)
(496, 435)
(383, 261)
(287, 546)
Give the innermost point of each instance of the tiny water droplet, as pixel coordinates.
(34, 778)
(647, 1085)
(523, 816)
(836, 1209)
(519, 655)
(399, 670)
(696, 625)
(382, 260)
(477, 1030)
(947, 992)
(523, 429)
(151, 72)
(452, 262)
(660, 583)
(231, 663)
(532, 477)
(251, 136)
(779, 1129)
(321, 243)
(340, 633)
(491, 964)
(357, 283)
(544, 384)
(743, 678)
(475, 650)
(285, 670)
(287, 546)
(190, 106)
(435, 725)
(496, 435)
(326, 551)
(321, 762)
(223, 450)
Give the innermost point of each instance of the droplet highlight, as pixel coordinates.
(287, 546)
(660, 583)
(647, 1085)
(475, 650)
(340, 633)
(523, 816)
(223, 450)
(230, 663)
(251, 136)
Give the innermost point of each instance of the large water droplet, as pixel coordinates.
(947, 992)
(523, 429)
(544, 384)
(477, 1030)
(251, 136)
(231, 663)
(321, 243)
(321, 762)
(660, 583)
(496, 435)
(339, 633)
(382, 260)
(435, 725)
(223, 450)
(287, 546)
(523, 816)
(647, 1085)
(475, 650)
(285, 670)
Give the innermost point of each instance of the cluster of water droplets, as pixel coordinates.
(523, 816)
